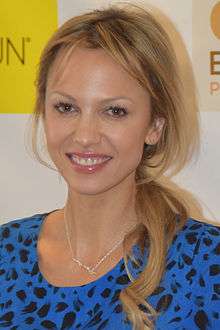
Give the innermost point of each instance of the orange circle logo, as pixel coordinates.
(215, 20)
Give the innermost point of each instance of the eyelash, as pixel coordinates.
(66, 108)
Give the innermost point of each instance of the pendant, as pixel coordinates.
(90, 270)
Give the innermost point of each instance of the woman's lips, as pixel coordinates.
(89, 164)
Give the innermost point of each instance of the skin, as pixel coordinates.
(92, 78)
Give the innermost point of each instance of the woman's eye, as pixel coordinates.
(64, 107)
(117, 111)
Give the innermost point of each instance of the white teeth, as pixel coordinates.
(88, 161)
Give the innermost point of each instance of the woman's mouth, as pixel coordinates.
(88, 164)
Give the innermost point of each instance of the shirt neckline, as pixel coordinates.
(112, 272)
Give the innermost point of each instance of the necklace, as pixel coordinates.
(91, 270)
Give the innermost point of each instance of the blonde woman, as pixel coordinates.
(123, 252)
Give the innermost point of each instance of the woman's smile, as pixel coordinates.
(89, 163)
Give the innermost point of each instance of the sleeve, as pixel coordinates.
(206, 290)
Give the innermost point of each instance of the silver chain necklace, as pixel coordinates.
(91, 270)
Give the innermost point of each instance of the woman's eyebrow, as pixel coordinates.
(63, 94)
(105, 100)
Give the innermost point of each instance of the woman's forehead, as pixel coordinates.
(76, 55)
(86, 68)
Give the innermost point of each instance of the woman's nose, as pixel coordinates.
(86, 132)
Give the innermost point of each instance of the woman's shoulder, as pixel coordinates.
(16, 230)
(26, 222)
(197, 234)
(197, 225)
(189, 291)
(195, 248)
(17, 238)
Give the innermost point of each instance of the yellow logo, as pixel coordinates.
(24, 29)
(215, 20)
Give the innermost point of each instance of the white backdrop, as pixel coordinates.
(26, 187)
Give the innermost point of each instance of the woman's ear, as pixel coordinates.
(155, 131)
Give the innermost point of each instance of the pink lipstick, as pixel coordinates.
(88, 162)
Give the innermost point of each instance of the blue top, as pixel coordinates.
(188, 296)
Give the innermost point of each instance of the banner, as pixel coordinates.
(206, 52)
(25, 26)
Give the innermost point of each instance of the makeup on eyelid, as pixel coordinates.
(66, 108)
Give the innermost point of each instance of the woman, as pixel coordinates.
(123, 252)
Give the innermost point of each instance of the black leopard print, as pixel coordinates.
(187, 298)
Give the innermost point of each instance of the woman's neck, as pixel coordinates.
(99, 221)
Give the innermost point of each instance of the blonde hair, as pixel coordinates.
(134, 38)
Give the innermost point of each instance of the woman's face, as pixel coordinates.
(95, 109)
